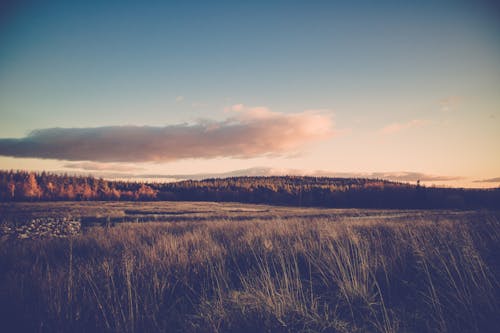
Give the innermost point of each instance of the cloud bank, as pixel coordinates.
(405, 176)
(401, 176)
(247, 133)
(490, 180)
(412, 176)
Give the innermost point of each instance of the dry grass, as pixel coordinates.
(280, 275)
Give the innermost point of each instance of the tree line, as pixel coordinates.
(44, 186)
(280, 190)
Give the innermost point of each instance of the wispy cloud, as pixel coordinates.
(407, 176)
(450, 103)
(179, 99)
(247, 133)
(490, 180)
(398, 127)
(400, 176)
(236, 108)
(403, 176)
(97, 166)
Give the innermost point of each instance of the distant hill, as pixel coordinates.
(278, 190)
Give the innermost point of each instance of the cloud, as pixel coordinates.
(412, 176)
(405, 176)
(96, 166)
(490, 180)
(398, 127)
(399, 176)
(450, 103)
(235, 107)
(179, 99)
(249, 132)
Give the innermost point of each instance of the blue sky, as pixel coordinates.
(407, 86)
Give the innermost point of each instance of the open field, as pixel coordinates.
(91, 213)
(211, 267)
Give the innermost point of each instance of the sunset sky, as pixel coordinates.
(403, 90)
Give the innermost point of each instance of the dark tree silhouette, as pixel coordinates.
(287, 190)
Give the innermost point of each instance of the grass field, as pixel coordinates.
(210, 267)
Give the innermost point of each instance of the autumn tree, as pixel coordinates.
(69, 192)
(86, 192)
(31, 190)
(145, 192)
(50, 189)
(11, 188)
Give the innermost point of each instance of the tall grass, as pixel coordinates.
(302, 275)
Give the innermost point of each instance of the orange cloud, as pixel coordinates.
(398, 127)
(249, 132)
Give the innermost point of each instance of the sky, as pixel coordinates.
(402, 90)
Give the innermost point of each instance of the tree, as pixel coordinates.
(51, 188)
(70, 192)
(114, 194)
(11, 187)
(145, 192)
(87, 192)
(31, 190)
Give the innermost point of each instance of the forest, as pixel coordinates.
(278, 190)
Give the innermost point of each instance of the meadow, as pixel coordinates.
(230, 267)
